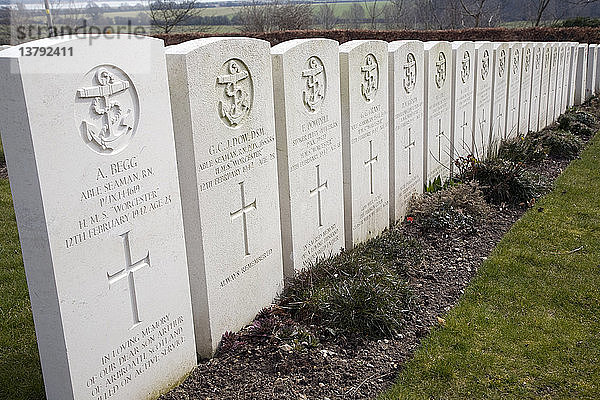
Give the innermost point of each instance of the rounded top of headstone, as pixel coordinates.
(395, 45)
(356, 44)
(294, 43)
(193, 45)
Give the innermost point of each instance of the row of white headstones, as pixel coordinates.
(150, 224)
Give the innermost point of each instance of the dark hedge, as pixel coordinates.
(581, 34)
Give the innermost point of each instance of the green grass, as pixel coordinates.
(20, 372)
(528, 326)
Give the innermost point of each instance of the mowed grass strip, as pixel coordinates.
(528, 326)
(20, 371)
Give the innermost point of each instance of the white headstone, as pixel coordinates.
(525, 90)
(4, 47)
(559, 81)
(545, 86)
(437, 130)
(566, 77)
(590, 79)
(573, 76)
(500, 91)
(463, 88)
(406, 84)
(309, 150)
(514, 89)
(222, 97)
(536, 81)
(365, 138)
(91, 156)
(580, 80)
(552, 84)
(482, 110)
(597, 86)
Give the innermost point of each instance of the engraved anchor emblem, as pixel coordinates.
(527, 59)
(440, 75)
(370, 77)
(466, 67)
(516, 59)
(502, 62)
(485, 65)
(314, 93)
(410, 73)
(117, 121)
(239, 98)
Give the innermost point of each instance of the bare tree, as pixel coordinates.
(395, 13)
(537, 8)
(275, 15)
(326, 16)
(167, 14)
(374, 11)
(483, 12)
(256, 17)
(355, 15)
(290, 15)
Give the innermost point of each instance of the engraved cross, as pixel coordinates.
(463, 126)
(246, 208)
(409, 146)
(439, 136)
(127, 272)
(370, 161)
(317, 192)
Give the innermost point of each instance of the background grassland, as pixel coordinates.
(528, 325)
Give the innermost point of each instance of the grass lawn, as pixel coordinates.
(528, 326)
(20, 372)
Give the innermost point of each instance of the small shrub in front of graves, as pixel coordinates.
(528, 149)
(460, 206)
(561, 144)
(358, 292)
(579, 123)
(502, 181)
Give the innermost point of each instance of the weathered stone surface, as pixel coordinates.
(91, 156)
(222, 97)
(406, 83)
(365, 138)
(438, 91)
(309, 150)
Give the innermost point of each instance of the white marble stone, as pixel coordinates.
(406, 77)
(597, 75)
(580, 80)
(309, 150)
(482, 103)
(536, 81)
(514, 89)
(574, 46)
(545, 86)
(500, 91)
(590, 79)
(566, 77)
(365, 138)
(222, 98)
(4, 47)
(597, 80)
(552, 84)
(527, 65)
(463, 88)
(437, 130)
(559, 81)
(91, 156)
